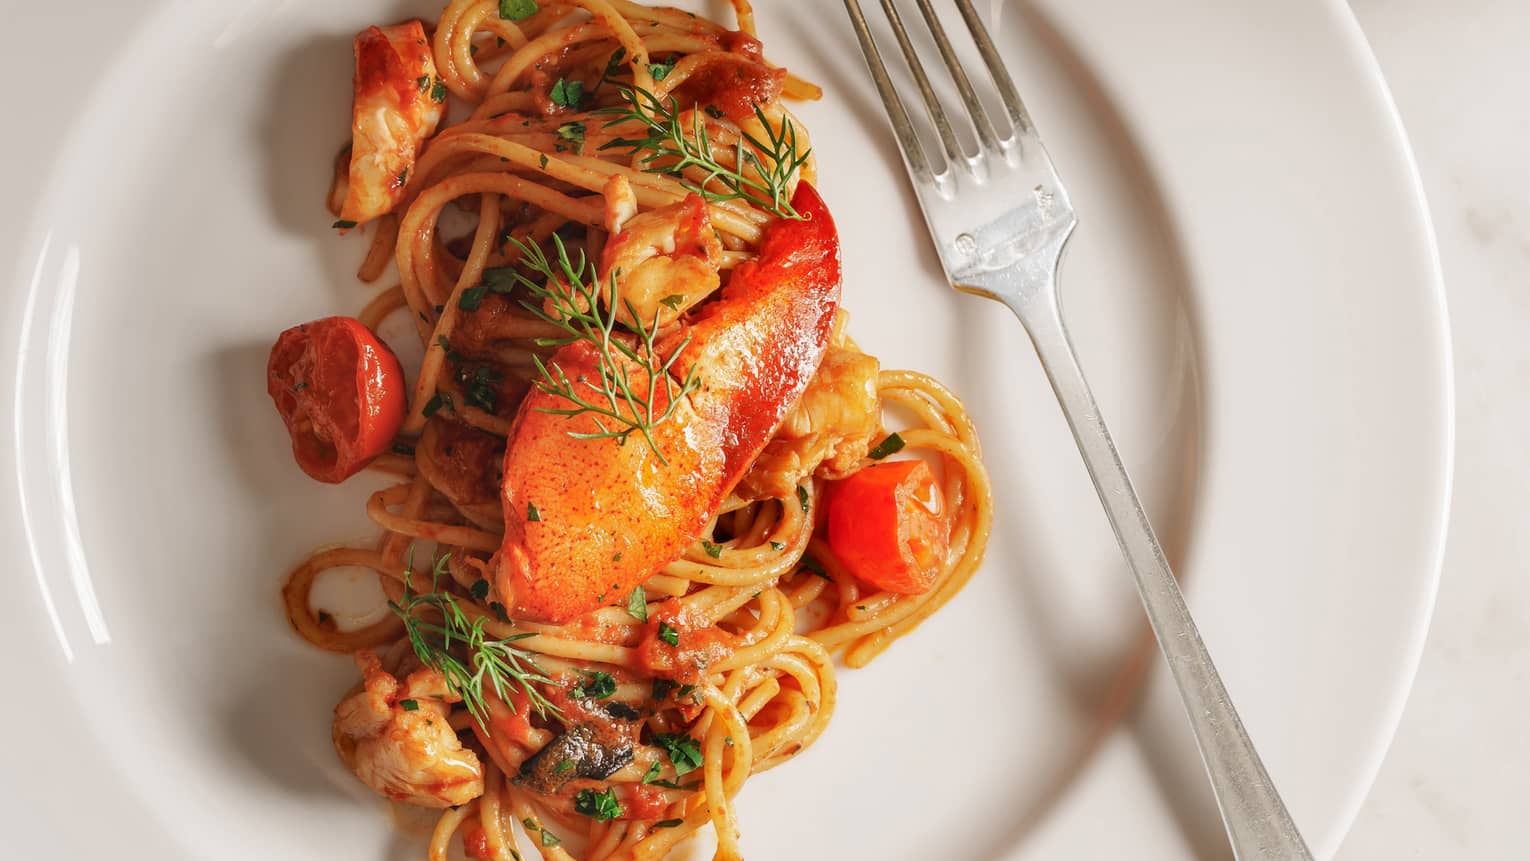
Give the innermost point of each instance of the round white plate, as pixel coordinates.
(1253, 291)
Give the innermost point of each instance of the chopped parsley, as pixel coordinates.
(715, 112)
(547, 837)
(472, 297)
(542, 160)
(653, 772)
(438, 92)
(684, 751)
(601, 806)
(673, 301)
(662, 688)
(814, 567)
(403, 177)
(666, 823)
(344, 224)
(566, 93)
(660, 71)
(892, 445)
(479, 387)
(713, 550)
(571, 137)
(565, 766)
(440, 400)
(532, 515)
(517, 10)
(669, 635)
(776, 545)
(802, 498)
(637, 607)
(597, 686)
(479, 589)
(409, 705)
(422, 83)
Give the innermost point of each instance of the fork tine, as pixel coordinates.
(926, 91)
(995, 63)
(975, 109)
(903, 127)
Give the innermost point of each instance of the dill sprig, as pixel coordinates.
(572, 298)
(492, 662)
(762, 169)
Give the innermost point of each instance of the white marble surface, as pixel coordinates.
(1455, 782)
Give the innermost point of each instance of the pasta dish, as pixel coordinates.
(643, 491)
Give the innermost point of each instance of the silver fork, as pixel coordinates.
(1000, 219)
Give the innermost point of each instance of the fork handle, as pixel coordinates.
(1257, 822)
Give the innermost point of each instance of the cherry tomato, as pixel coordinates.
(341, 392)
(887, 525)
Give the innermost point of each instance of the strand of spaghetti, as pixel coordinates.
(525, 813)
(745, 14)
(720, 786)
(606, 24)
(453, 44)
(488, 813)
(416, 249)
(380, 251)
(393, 545)
(936, 391)
(296, 602)
(609, 839)
(436, 348)
(381, 306)
(446, 826)
(462, 536)
(668, 16)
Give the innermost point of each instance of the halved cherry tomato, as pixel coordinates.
(887, 525)
(341, 392)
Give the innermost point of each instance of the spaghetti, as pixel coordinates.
(614, 738)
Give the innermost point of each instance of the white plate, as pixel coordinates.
(1253, 290)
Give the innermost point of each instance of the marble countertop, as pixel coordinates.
(1454, 783)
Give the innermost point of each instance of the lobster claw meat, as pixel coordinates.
(588, 520)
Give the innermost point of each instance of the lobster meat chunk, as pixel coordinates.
(399, 99)
(587, 520)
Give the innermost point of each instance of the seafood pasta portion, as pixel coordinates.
(644, 488)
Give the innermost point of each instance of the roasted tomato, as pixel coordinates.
(887, 525)
(341, 392)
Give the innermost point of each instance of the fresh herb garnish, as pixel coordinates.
(653, 772)
(762, 170)
(517, 10)
(472, 297)
(542, 160)
(566, 93)
(673, 301)
(437, 402)
(409, 705)
(713, 550)
(479, 589)
(892, 445)
(776, 545)
(422, 83)
(814, 567)
(802, 498)
(597, 686)
(660, 71)
(479, 387)
(601, 806)
(565, 766)
(547, 837)
(684, 752)
(344, 224)
(403, 178)
(669, 635)
(666, 823)
(715, 112)
(571, 138)
(571, 298)
(438, 92)
(532, 515)
(492, 664)
(637, 606)
(662, 688)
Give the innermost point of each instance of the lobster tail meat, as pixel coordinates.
(588, 520)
